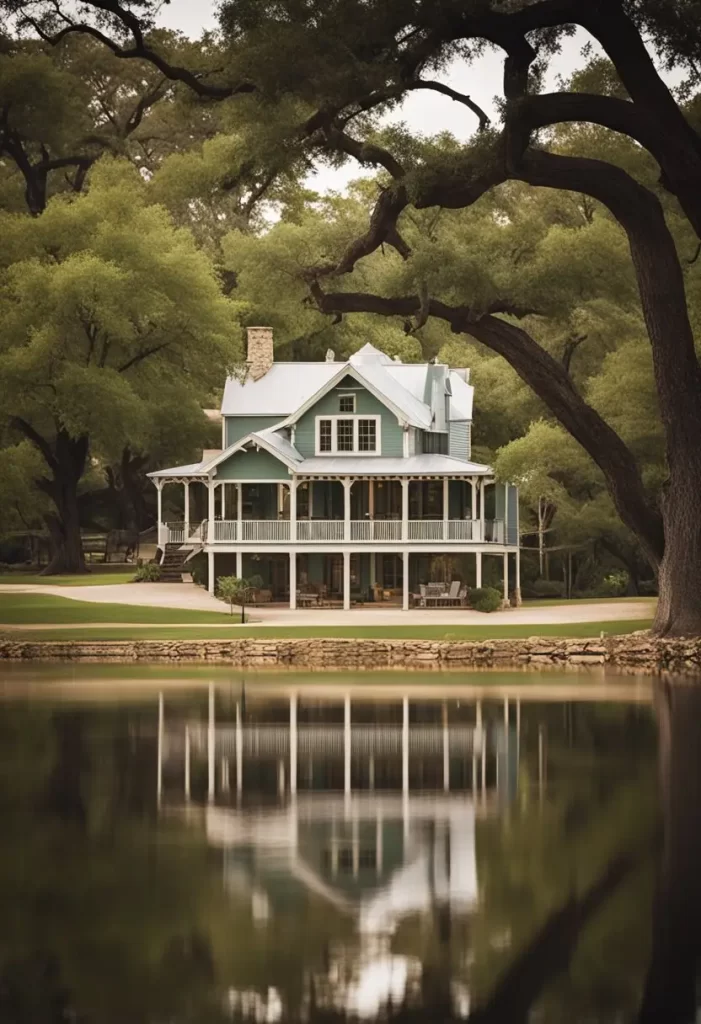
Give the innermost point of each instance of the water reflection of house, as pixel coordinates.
(370, 806)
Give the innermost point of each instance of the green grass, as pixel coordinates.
(548, 602)
(475, 633)
(94, 579)
(45, 609)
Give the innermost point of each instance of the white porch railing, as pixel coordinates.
(319, 530)
(267, 530)
(175, 533)
(375, 530)
(225, 530)
(325, 531)
(456, 530)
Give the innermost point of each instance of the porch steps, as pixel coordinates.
(172, 564)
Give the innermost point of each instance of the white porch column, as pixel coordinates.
(405, 508)
(446, 506)
(293, 744)
(239, 513)
(405, 581)
(478, 568)
(474, 499)
(222, 491)
(210, 747)
(210, 572)
(517, 592)
(506, 577)
(482, 534)
(346, 580)
(347, 484)
(347, 745)
(293, 510)
(239, 564)
(186, 506)
(211, 488)
(293, 580)
(162, 539)
(159, 750)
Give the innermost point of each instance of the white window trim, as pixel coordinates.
(348, 416)
(349, 394)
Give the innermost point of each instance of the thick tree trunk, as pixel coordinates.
(67, 465)
(670, 989)
(679, 605)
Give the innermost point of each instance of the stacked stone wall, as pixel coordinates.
(639, 652)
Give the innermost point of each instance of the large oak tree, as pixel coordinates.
(322, 73)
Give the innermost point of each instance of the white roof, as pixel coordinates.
(462, 398)
(280, 443)
(288, 386)
(378, 465)
(280, 392)
(194, 469)
(377, 375)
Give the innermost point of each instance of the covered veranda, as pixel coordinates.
(372, 579)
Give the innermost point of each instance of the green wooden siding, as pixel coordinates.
(459, 439)
(240, 426)
(252, 465)
(391, 434)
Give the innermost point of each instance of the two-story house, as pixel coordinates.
(344, 480)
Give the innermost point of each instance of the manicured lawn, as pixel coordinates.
(546, 602)
(93, 579)
(38, 609)
(476, 633)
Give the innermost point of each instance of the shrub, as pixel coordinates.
(149, 573)
(485, 599)
(547, 588)
(236, 590)
(200, 570)
(615, 584)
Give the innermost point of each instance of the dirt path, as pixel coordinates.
(187, 597)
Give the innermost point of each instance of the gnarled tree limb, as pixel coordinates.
(548, 379)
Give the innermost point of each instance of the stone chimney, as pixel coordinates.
(260, 351)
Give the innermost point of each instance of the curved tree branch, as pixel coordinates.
(141, 50)
(548, 379)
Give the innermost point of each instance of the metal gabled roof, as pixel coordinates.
(379, 465)
(283, 389)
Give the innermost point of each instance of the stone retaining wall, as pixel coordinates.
(638, 652)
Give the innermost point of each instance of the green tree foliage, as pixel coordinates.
(237, 590)
(115, 329)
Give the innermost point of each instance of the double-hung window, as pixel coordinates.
(348, 435)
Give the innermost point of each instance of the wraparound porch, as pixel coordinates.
(382, 578)
(471, 510)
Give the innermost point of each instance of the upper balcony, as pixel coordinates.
(335, 531)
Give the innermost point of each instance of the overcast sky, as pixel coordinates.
(424, 112)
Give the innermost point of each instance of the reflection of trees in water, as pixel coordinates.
(155, 914)
(671, 985)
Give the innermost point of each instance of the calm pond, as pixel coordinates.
(202, 847)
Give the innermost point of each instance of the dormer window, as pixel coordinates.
(348, 435)
(346, 403)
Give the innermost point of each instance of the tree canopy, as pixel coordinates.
(112, 320)
(314, 81)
